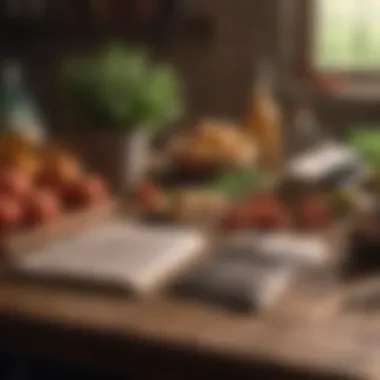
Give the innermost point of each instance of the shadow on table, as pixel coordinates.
(20, 368)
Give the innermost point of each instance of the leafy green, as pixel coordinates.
(367, 143)
(119, 88)
(238, 182)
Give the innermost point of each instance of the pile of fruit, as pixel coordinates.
(264, 211)
(38, 184)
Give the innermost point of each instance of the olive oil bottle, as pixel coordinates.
(264, 120)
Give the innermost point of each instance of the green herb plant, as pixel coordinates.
(118, 88)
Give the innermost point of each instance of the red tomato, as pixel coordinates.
(43, 206)
(15, 183)
(10, 213)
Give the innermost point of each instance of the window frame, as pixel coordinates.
(305, 21)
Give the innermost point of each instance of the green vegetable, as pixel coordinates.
(367, 143)
(118, 88)
(240, 181)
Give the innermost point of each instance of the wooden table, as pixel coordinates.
(166, 336)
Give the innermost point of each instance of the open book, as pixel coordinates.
(132, 257)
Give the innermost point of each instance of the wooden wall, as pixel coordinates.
(217, 71)
(220, 73)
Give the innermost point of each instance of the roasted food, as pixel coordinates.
(213, 143)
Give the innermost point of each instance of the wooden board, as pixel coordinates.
(67, 322)
(24, 241)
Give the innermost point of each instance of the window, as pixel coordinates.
(346, 36)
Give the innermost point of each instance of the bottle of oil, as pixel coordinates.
(264, 120)
(18, 111)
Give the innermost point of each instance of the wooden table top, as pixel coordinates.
(305, 330)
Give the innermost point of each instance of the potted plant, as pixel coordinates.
(119, 101)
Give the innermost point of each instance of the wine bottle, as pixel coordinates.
(306, 132)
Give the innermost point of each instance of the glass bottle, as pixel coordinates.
(264, 120)
(18, 110)
(306, 132)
